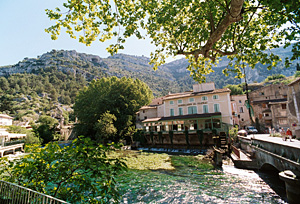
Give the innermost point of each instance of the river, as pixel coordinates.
(190, 185)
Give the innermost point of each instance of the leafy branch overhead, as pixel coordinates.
(203, 31)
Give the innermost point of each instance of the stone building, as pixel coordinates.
(269, 105)
(293, 107)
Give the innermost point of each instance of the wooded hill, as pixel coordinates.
(49, 83)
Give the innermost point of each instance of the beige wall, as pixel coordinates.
(160, 111)
(242, 112)
(279, 115)
(223, 101)
(262, 106)
(293, 104)
(5, 121)
(203, 87)
(147, 113)
(273, 91)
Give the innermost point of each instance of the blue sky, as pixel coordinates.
(22, 33)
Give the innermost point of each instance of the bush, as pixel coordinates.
(78, 173)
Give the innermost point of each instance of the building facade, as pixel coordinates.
(293, 106)
(5, 120)
(269, 105)
(240, 112)
(203, 112)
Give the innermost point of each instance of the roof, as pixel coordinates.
(271, 100)
(278, 102)
(293, 82)
(5, 116)
(189, 94)
(148, 107)
(180, 117)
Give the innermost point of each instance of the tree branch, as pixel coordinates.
(224, 53)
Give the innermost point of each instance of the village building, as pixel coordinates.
(5, 120)
(270, 106)
(240, 112)
(293, 107)
(183, 118)
(10, 142)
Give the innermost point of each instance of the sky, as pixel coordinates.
(22, 34)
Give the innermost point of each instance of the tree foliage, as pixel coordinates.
(105, 128)
(235, 89)
(203, 31)
(121, 97)
(78, 173)
(274, 77)
(46, 129)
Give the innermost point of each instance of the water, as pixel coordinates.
(191, 185)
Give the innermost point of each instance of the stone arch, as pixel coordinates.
(269, 167)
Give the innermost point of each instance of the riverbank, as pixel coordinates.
(190, 179)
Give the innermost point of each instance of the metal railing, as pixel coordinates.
(13, 142)
(10, 148)
(14, 194)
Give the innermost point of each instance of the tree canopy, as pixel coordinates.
(121, 97)
(203, 31)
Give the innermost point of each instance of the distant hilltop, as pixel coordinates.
(170, 77)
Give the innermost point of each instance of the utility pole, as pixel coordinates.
(247, 94)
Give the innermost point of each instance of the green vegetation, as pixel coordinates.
(236, 89)
(26, 96)
(45, 129)
(203, 31)
(121, 97)
(274, 77)
(78, 173)
(31, 138)
(150, 176)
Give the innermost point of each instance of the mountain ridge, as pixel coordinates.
(170, 77)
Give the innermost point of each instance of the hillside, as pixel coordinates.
(49, 83)
(93, 67)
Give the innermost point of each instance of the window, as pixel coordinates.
(145, 117)
(143, 111)
(204, 98)
(283, 106)
(215, 97)
(191, 99)
(192, 110)
(216, 108)
(171, 102)
(180, 111)
(241, 110)
(205, 108)
(179, 101)
(171, 112)
(240, 101)
(282, 121)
